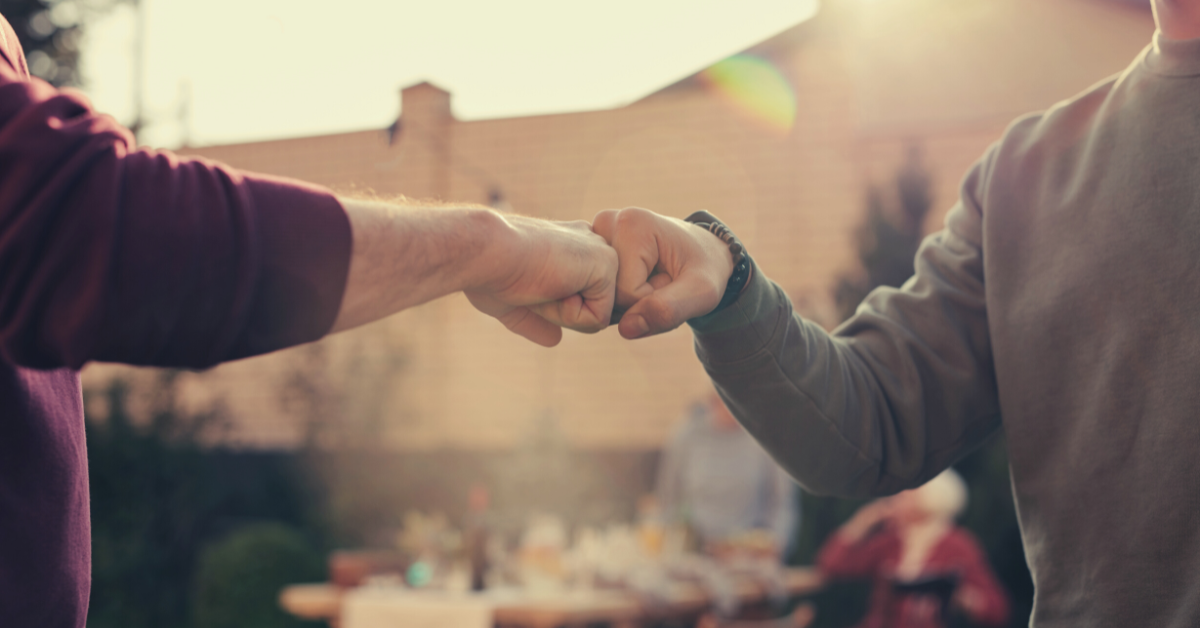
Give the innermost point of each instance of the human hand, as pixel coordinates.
(669, 271)
(970, 600)
(539, 276)
(867, 518)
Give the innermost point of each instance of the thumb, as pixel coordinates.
(666, 308)
(524, 322)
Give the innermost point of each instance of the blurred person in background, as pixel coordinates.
(117, 253)
(925, 569)
(1059, 302)
(715, 479)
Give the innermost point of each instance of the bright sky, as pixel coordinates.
(262, 69)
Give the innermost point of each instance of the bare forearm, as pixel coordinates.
(407, 255)
(532, 275)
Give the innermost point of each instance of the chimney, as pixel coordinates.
(426, 105)
(425, 119)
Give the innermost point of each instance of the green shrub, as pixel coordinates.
(240, 577)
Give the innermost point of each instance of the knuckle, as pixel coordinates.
(661, 311)
(713, 292)
(640, 214)
(513, 319)
(602, 224)
(590, 328)
(632, 220)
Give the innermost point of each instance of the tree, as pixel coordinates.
(889, 238)
(239, 577)
(159, 494)
(150, 506)
(342, 391)
(50, 32)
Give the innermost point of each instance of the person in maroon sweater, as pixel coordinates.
(115, 253)
(924, 569)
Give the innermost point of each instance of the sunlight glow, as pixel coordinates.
(286, 68)
(755, 87)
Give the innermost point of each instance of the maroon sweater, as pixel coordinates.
(110, 252)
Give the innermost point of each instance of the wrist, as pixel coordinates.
(491, 244)
(718, 250)
(737, 270)
(404, 255)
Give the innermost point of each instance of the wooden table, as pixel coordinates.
(619, 608)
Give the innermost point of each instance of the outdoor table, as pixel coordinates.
(621, 609)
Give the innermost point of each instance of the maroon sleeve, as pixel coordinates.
(840, 558)
(977, 574)
(109, 252)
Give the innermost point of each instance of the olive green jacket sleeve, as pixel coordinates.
(900, 391)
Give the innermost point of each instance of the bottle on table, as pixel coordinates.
(476, 536)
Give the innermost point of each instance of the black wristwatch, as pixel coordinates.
(741, 261)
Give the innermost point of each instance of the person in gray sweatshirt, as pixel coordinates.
(1061, 302)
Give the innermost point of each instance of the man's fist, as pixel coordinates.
(543, 275)
(669, 270)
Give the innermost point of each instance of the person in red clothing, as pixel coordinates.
(925, 569)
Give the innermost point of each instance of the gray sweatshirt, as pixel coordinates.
(1061, 302)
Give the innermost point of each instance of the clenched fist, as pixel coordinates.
(670, 270)
(548, 275)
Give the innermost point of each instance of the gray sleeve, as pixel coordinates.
(899, 392)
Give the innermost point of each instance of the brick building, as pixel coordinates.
(781, 141)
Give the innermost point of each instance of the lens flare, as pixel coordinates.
(757, 88)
